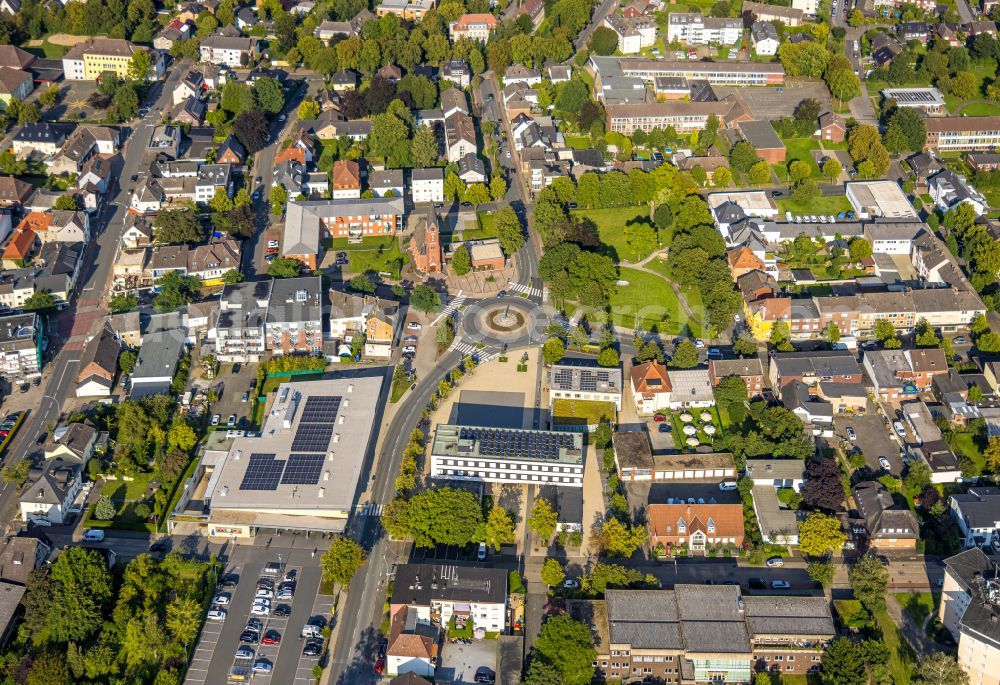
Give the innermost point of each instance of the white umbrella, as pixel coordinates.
(693, 442)
(686, 418)
(710, 429)
(690, 430)
(706, 416)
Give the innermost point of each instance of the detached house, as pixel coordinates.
(888, 526)
(98, 364)
(650, 387)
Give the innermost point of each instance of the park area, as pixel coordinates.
(648, 299)
(132, 501)
(611, 224)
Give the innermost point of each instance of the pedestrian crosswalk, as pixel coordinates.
(371, 509)
(521, 288)
(451, 307)
(470, 350)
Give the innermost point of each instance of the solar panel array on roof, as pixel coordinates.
(316, 425)
(263, 472)
(303, 469)
(511, 443)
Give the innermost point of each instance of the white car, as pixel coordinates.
(409, 349)
(780, 585)
(884, 463)
(217, 615)
(571, 584)
(410, 339)
(699, 343)
(221, 599)
(263, 593)
(282, 117)
(413, 326)
(260, 610)
(899, 428)
(272, 243)
(215, 419)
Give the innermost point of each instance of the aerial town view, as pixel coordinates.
(513, 342)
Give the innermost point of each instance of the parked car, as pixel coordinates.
(413, 326)
(410, 339)
(714, 353)
(255, 624)
(570, 584)
(851, 434)
(282, 610)
(959, 340)
(899, 428)
(230, 580)
(289, 576)
(245, 652)
(659, 418)
(262, 665)
(312, 648)
(481, 554)
(222, 599)
(409, 349)
(93, 535)
(664, 427)
(250, 637)
(884, 463)
(775, 562)
(728, 485)
(780, 585)
(263, 593)
(272, 637)
(285, 593)
(231, 421)
(215, 419)
(260, 610)
(216, 615)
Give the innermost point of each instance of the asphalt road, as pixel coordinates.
(59, 378)
(599, 15)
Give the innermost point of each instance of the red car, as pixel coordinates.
(659, 418)
(380, 665)
(271, 637)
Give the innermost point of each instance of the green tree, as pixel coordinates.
(39, 301)
(869, 580)
(425, 147)
(543, 520)
(744, 346)
(620, 540)
(925, 335)
(104, 510)
(603, 41)
(232, 277)
(964, 85)
(236, 97)
(184, 619)
(279, 198)
(284, 267)
(268, 94)
(832, 169)
(553, 350)
(175, 226)
(221, 201)
(608, 357)
(843, 663)
(499, 528)
(759, 174)
(781, 336)
(566, 645)
(860, 249)
(122, 303)
(979, 325)
(641, 238)
(498, 188)
(821, 572)
(685, 355)
(439, 516)
(425, 299)
(308, 110)
(883, 330)
(820, 535)
(17, 473)
(140, 65)
(553, 573)
(49, 668)
(477, 194)
(939, 668)
(341, 561)
(126, 361)
(362, 283)
(798, 170)
(66, 202)
(509, 230)
(831, 333)
(461, 261)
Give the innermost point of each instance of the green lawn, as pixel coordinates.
(992, 195)
(691, 295)
(271, 383)
(651, 299)
(487, 228)
(582, 412)
(824, 204)
(611, 228)
(901, 659)
(980, 109)
(965, 444)
(801, 148)
(125, 495)
(919, 605)
(578, 142)
(371, 254)
(48, 50)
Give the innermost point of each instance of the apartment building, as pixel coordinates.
(894, 374)
(308, 222)
(506, 455)
(684, 117)
(812, 368)
(228, 51)
(20, 347)
(697, 527)
(294, 320)
(693, 28)
(346, 179)
(749, 370)
(410, 10)
(473, 27)
(704, 633)
(427, 185)
(789, 16)
(887, 525)
(970, 610)
(962, 133)
(633, 33)
(240, 334)
(460, 136)
(977, 513)
(88, 60)
(650, 387)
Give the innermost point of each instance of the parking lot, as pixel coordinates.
(230, 388)
(215, 655)
(768, 103)
(871, 439)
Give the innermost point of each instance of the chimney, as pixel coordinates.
(322, 491)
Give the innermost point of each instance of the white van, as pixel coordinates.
(727, 485)
(93, 535)
(310, 630)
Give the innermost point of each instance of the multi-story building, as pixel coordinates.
(576, 378)
(473, 27)
(294, 321)
(897, 373)
(684, 117)
(695, 29)
(837, 366)
(704, 633)
(750, 371)
(962, 133)
(888, 525)
(346, 179)
(634, 33)
(695, 527)
(20, 347)
(228, 51)
(716, 73)
(88, 60)
(789, 16)
(427, 185)
(410, 10)
(970, 610)
(307, 222)
(650, 387)
(460, 136)
(506, 455)
(240, 334)
(977, 513)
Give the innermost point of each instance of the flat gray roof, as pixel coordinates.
(549, 447)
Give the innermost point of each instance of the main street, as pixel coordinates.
(69, 329)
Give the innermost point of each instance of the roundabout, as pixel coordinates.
(498, 322)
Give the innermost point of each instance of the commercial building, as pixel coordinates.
(704, 633)
(880, 199)
(970, 610)
(636, 462)
(506, 455)
(302, 471)
(695, 29)
(87, 61)
(575, 378)
(927, 100)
